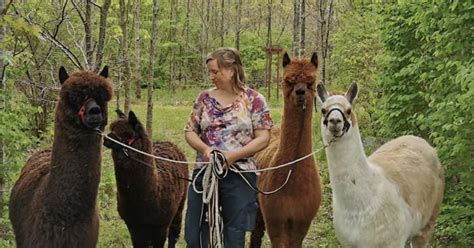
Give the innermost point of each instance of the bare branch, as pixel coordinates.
(4, 11)
(78, 11)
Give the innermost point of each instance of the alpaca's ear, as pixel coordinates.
(105, 72)
(63, 76)
(132, 118)
(120, 114)
(351, 93)
(286, 59)
(314, 59)
(322, 93)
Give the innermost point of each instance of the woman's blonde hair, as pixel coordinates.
(229, 58)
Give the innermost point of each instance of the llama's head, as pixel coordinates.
(127, 130)
(299, 81)
(83, 99)
(337, 117)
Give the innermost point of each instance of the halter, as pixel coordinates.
(347, 125)
(128, 142)
(82, 110)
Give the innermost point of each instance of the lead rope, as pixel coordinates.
(213, 172)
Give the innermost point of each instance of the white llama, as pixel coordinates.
(383, 200)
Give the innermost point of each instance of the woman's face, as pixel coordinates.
(221, 77)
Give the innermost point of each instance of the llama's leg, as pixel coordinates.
(159, 236)
(139, 235)
(422, 239)
(175, 228)
(258, 232)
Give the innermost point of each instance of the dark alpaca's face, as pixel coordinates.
(128, 131)
(84, 97)
(299, 81)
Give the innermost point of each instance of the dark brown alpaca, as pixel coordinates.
(151, 193)
(53, 203)
(299, 200)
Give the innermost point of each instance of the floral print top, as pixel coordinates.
(230, 127)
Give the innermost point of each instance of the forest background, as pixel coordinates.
(413, 61)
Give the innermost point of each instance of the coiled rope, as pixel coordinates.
(213, 172)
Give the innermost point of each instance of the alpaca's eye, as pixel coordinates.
(348, 112)
(323, 111)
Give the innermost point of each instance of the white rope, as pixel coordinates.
(213, 172)
(286, 164)
(147, 154)
(204, 163)
(254, 188)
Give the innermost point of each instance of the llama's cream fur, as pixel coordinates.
(388, 198)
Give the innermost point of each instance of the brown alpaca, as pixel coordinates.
(299, 200)
(53, 203)
(151, 193)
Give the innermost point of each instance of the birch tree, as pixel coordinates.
(151, 66)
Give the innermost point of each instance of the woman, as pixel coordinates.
(235, 120)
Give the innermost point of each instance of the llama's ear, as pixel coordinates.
(351, 93)
(63, 76)
(105, 72)
(133, 120)
(120, 114)
(322, 93)
(314, 59)
(286, 59)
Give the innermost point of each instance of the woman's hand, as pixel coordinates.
(231, 157)
(207, 154)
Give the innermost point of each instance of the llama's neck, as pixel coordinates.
(134, 176)
(353, 180)
(296, 133)
(75, 172)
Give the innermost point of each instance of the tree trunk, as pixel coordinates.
(172, 38)
(237, 28)
(223, 13)
(151, 66)
(296, 27)
(101, 42)
(205, 6)
(302, 29)
(186, 50)
(324, 11)
(268, 75)
(137, 75)
(125, 56)
(3, 100)
(88, 35)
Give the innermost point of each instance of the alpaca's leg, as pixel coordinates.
(140, 236)
(258, 232)
(175, 228)
(278, 233)
(297, 234)
(159, 236)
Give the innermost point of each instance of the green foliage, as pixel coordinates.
(428, 87)
(16, 139)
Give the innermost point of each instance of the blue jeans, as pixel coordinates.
(239, 210)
